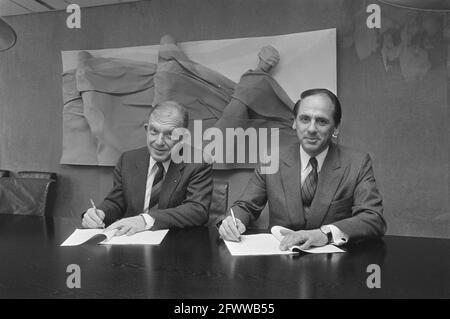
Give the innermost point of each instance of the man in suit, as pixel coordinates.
(323, 192)
(150, 190)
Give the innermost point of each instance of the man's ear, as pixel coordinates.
(294, 125)
(336, 132)
(146, 127)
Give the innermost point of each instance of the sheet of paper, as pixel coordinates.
(147, 237)
(327, 249)
(80, 236)
(255, 245)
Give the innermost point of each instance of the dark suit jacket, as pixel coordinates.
(184, 199)
(346, 194)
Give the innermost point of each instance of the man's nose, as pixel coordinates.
(312, 127)
(160, 139)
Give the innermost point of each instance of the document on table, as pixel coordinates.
(148, 237)
(269, 244)
(254, 245)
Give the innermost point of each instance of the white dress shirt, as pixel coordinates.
(339, 237)
(152, 169)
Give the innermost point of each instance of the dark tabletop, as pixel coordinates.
(194, 263)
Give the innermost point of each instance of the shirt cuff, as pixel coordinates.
(149, 221)
(339, 237)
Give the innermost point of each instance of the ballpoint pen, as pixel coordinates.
(234, 219)
(95, 208)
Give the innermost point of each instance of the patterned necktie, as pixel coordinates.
(156, 187)
(310, 184)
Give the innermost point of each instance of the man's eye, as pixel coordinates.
(153, 132)
(304, 119)
(322, 122)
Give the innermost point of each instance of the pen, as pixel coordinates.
(95, 208)
(234, 218)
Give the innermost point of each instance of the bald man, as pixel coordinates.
(150, 190)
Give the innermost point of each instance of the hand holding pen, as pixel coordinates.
(93, 218)
(231, 228)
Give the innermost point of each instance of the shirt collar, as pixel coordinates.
(153, 162)
(304, 158)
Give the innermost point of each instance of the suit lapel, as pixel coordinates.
(171, 180)
(140, 176)
(329, 178)
(290, 178)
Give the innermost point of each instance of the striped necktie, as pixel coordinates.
(310, 184)
(156, 187)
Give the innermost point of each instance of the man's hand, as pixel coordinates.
(229, 231)
(128, 226)
(93, 218)
(307, 238)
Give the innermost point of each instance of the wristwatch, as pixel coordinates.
(327, 231)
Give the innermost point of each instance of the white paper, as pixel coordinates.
(256, 245)
(327, 249)
(80, 236)
(147, 237)
(269, 244)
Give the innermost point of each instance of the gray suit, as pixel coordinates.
(346, 194)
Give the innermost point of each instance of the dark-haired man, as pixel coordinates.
(150, 190)
(324, 192)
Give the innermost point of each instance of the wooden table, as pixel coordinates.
(194, 263)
